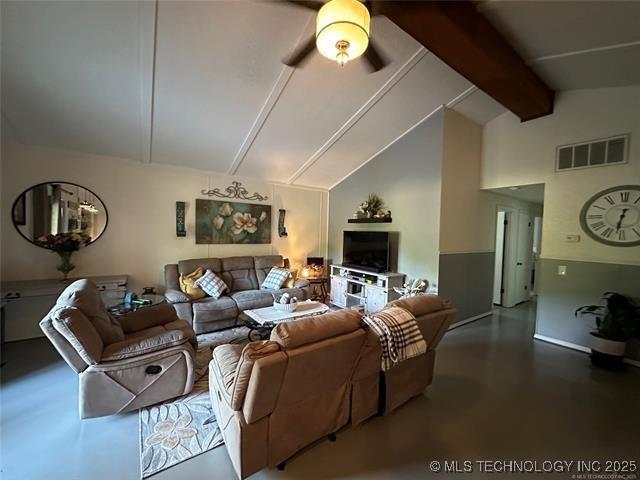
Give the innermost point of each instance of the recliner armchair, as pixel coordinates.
(124, 363)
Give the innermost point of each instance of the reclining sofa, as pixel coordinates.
(123, 363)
(314, 375)
(243, 276)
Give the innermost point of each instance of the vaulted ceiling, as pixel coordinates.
(201, 84)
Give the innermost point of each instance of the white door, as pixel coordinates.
(498, 268)
(524, 252)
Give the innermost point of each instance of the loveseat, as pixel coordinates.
(243, 276)
(125, 363)
(314, 375)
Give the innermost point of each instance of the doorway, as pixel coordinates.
(518, 227)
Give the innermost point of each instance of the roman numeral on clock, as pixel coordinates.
(610, 199)
(594, 217)
(624, 196)
(597, 226)
(636, 231)
(622, 235)
(606, 233)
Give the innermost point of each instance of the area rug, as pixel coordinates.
(180, 429)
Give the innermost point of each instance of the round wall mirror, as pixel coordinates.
(56, 208)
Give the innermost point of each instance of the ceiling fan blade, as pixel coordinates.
(301, 54)
(308, 4)
(374, 57)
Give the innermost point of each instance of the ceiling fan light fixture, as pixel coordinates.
(342, 30)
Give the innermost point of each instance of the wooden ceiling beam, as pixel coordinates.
(465, 40)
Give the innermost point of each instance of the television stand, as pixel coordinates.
(356, 288)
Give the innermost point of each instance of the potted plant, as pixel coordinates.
(617, 320)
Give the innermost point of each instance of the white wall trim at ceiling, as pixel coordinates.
(148, 29)
(375, 98)
(261, 119)
(399, 137)
(450, 104)
(585, 51)
(462, 96)
(269, 104)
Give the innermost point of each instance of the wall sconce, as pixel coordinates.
(180, 227)
(282, 231)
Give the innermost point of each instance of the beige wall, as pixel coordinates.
(468, 214)
(140, 238)
(516, 153)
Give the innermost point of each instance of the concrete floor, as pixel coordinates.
(497, 395)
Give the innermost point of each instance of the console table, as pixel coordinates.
(352, 287)
(26, 302)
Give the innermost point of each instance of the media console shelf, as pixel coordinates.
(351, 287)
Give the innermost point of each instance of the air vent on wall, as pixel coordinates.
(595, 153)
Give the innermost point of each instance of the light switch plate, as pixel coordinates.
(562, 269)
(572, 238)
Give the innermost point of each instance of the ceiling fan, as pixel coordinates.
(342, 33)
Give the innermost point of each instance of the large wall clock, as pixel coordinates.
(612, 216)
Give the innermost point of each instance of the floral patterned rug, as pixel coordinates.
(179, 429)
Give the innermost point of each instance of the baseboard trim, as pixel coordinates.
(632, 362)
(575, 346)
(562, 343)
(469, 320)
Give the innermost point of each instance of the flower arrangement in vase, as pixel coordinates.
(372, 207)
(64, 244)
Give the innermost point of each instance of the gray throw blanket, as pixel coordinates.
(400, 337)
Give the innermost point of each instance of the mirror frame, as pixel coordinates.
(15, 202)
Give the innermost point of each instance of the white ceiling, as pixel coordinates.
(573, 44)
(533, 193)
(206, 89)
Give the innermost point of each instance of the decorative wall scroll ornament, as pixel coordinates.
(282, 231)
(180, 223)
(235, 190)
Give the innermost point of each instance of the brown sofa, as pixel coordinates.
(123, 363)
(275, 397)
(380, 392)
(243, 276)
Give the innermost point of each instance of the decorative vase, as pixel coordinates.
(66, 266)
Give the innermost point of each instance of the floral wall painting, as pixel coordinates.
(220, 222)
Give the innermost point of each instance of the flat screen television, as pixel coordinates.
(366, 250)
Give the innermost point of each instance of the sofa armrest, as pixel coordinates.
(223, 367)
(134, 347)
(232, 366)
(176, 296)
(301, 283)
(147, 317)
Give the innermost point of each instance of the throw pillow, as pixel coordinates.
(275, 279)
(212, 284)
(187, 284)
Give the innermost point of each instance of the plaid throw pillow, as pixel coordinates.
(275, 279)
(211, 284)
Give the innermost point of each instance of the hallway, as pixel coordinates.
(497, 395)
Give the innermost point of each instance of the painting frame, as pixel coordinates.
(221, 222)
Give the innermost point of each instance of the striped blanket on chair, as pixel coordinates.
(400, 337)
